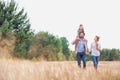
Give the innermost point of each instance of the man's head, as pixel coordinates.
(81, 35)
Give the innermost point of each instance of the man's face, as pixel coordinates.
(81, 35)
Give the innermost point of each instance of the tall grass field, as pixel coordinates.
(62, 70)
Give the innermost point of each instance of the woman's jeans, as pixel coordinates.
(81, 56)
(95, 61)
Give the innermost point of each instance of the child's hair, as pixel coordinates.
(98, 38)
(81, 24)
(81, 30)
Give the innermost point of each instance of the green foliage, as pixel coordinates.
(15, 22)
(4, 29)
(21, 50)
(47, 45)
(65, 48)
(110, 54)
(88, 58)
(59, 56)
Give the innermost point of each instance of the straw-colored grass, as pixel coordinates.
(65, 70)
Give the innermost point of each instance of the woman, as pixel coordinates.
(95, 48)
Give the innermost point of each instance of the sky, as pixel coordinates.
(63, 17)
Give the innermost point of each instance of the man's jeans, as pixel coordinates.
(81, 56)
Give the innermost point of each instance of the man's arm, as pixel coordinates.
(75, 41)
(86, 46)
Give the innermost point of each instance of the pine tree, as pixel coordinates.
(15, 21)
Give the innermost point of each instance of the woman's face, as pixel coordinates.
(95, 39)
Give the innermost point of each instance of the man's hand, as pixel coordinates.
(75, 53)
(76, 41)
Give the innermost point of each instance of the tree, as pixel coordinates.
(45, 45)
(15, 22)
(110, 54)
(65, 47)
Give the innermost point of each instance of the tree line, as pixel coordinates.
(15, 26)
(22, 42)
(108, 55)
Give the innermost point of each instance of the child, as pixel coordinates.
(80, 29)
(95, 48)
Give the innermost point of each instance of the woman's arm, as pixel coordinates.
(99, 47)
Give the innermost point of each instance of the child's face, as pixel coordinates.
(81, 27)
(81, 30)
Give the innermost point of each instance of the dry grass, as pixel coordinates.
(27, 70)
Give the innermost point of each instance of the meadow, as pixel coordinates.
(62, 70)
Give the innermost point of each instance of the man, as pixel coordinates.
(81, 49)
(80, 30)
